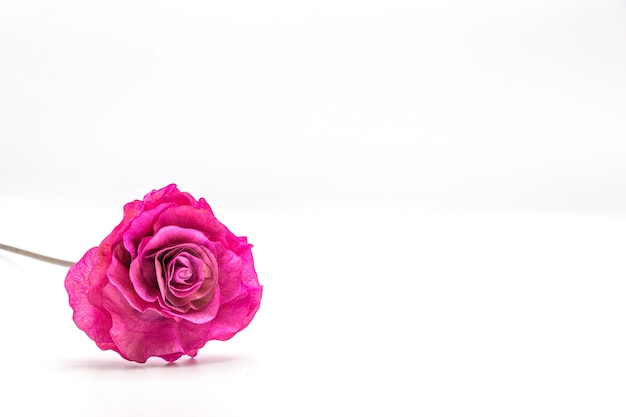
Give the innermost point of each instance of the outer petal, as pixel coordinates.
(139, 336)
(84, 283)
(235, 315)
(197, 219)
(168, 194)
(118, 275)
(131, 210)
(249, 277)
(230, 267)
(141, 227)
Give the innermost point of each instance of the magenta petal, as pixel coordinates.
(207, 313)
(118, 275)
(230, 269)
(248, 274)
(168, 194)
(203, 315)
(173, 235)
(194, 219)
(141, 226)
(142, 335)
(172, 357)
(235, 315)
(89, 315)
(147, 290)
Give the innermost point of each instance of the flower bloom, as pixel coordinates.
(169, 278)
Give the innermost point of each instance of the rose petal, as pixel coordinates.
(141, 227)
(195, 219)
(230, 267)
(235, 315)
(139, 336)
(168, 194)
(118, 274)
(86, 278)
(173, 235)
(201, 315)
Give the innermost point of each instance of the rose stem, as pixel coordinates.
(37, 256)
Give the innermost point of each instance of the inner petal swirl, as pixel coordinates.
(185, 277)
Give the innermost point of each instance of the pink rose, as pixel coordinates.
(169, 278)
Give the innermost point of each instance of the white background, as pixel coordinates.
(436, 192)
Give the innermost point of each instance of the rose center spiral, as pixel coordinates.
(180, 269)
(186, 276)
(183, 274)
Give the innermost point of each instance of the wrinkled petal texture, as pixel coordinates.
(169, 278)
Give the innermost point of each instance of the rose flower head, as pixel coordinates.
(169, 278)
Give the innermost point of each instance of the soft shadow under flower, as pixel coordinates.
(115, 365)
